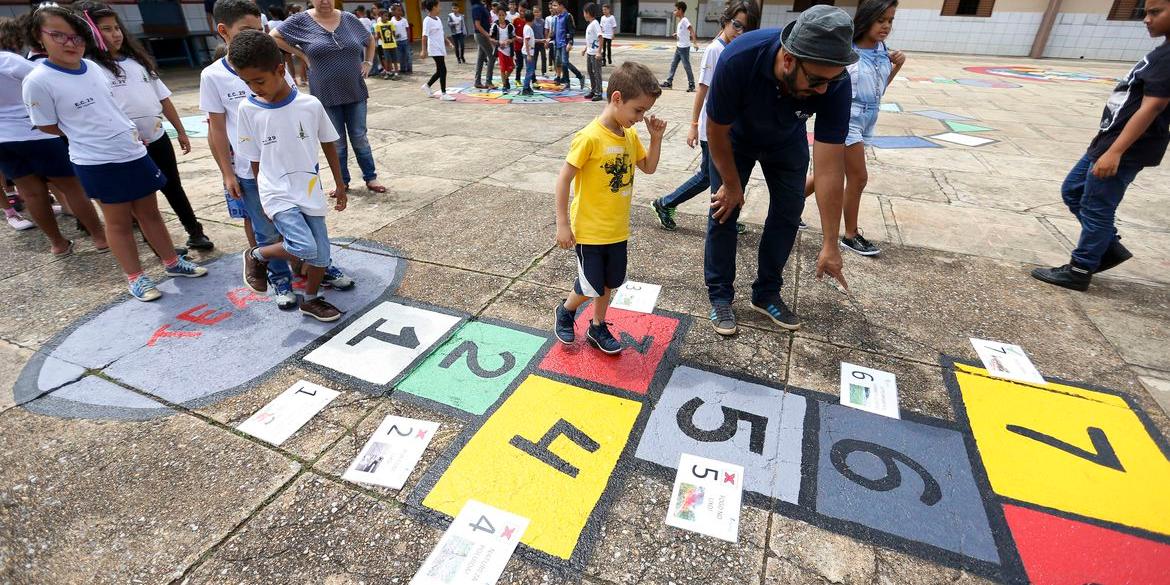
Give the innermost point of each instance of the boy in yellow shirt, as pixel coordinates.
(600, 166)
(385, 35)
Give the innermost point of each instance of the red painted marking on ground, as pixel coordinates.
(630, 370)
(240, 297)
(165, 331)
(208, 317)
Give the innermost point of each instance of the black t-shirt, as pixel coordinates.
(1150, 77)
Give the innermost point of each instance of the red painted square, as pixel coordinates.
(1059, 551)
(645, 339)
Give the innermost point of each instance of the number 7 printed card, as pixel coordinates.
(475, 548)
(706, 497)
(1004, 360)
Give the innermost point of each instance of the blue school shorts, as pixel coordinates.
(862, 121)
(600, 267)
(304, 236)
(121, 182)
(43, 158)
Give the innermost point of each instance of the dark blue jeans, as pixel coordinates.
(698, 183)
(351, 119)
(530, 73)
(566, 67)
(681, 54)
(1094, 203)
(784, 172)
(405, 58)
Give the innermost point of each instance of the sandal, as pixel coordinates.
(376, 188)
(68, 251)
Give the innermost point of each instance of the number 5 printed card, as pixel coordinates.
(475, 548)
(392, 452)
(706, 497)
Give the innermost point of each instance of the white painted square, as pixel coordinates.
(636, 296)
(474, 549)
(1004, 360)
(287, 413)
(392, 452)
(706, 497)
(962, 139)
(405, 334)
(869, 390)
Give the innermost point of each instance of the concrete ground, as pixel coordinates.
(112, 474)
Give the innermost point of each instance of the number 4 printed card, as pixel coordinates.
(392, 452)
(1004, 360)
(706, 497)
(475, 548)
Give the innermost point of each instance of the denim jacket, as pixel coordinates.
(870, 74)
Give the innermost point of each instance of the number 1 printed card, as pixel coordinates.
(287, 413)
(1004, 360)
(392, 452)
(475, 548)
(706, 497)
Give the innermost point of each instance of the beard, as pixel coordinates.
(788, 85)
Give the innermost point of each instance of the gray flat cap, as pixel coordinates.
(822, 34)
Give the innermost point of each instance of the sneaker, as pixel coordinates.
(200, 242)
(600, 337)
(723, 320)
(284, 296)
(860, 245)
(19, 223)
(779, 313)
(385, 76)
(691, 88)
(801, 226)
(740, 228)
(57, 209)
(596, 98)
(1067, 276)
(255, 273)
(565, 324)
(665, 215)
(665, 85)
(581, 82)
(1116, 254)
(447, 98)
(186, 268)
(143, 289)
(426, 89)
(320, 309)
(336, 279)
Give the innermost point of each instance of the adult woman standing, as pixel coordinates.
(338, 51)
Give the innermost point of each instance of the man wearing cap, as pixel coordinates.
(768, 83)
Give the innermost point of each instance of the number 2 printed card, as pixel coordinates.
(706, 497)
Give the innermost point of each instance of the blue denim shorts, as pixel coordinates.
(304, 236)
(862, 121)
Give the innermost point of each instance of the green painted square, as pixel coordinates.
(474, 367)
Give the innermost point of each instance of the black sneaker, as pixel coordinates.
(565, 324)
(665, 85)
(665, 215)
(779, 313)
(860, 245)
(1116, 254)
(691, 88)
(581, 82)
(200, 242)
(741, 228)
(597, 98)
(600, 337)
(801, 226)
(1067, 276)
(723, 320)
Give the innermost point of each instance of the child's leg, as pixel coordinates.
(441, 63)
(36, 202)
(686, 63)
(600, 306)
(153, 227)
(1098, 209)
(1073, 188)
(120, 231)
(162, 152)
(856, 178)
(73, 194)
(313, 276)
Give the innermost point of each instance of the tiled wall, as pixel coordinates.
(1004, 33)
(1091, 36)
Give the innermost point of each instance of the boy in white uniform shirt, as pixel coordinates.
(529, 53)
(402, 30)
(608, 28)
(592, 51)
(279, 133)
(686, 38)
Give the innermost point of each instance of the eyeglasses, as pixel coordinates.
(737, 25)
(64, 39)
(815, 81)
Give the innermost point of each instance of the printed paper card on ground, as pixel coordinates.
(869, 390)
(1004, 360)
(706, 497)
(963, 139)
(475, 548)
(279, 419)
(636, 296)
(392, 452)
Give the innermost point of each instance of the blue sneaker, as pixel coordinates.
(143, 289)
(602, 339)
(186, 268)
(723, 320)
(336, 279)
(565, 325)
(286, 299)
(779, 313)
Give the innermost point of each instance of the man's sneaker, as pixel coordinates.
(740, 228)
(200, 242)
(565, 324)
(723, 320)
(779, 313)
(665, 215)
(336, 279)
(447, 98)
(600, 337)
(1116, 254)
(666, 85)
(596, 98)
(255, 272)
(19, 223)
(186, 268)
(860, 245)
(801, 226)
(691, 88)
(284, 296)
(320, 309)
(1067, 276)
(143, 289)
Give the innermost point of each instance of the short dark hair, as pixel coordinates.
(252, 49)
(428, 5)
(11, 35)
(681, 6)
(229, 12)
(592, 9)
(633, 80)
(748, 7)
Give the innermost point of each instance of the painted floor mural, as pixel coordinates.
(1042, 74)
(1051, 483)
(545, 90)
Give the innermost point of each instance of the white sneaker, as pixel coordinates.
(57, 210)
(447, 98)
(426, 90)
(19, 223)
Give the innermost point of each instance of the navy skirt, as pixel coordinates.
(121, 182)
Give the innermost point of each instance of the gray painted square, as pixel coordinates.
(773, 472)
(956, 522)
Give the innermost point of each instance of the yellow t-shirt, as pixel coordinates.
(604, 186)
(384, 32)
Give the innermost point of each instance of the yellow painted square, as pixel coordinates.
(1025, 469)
(491, 470)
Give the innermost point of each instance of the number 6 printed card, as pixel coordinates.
(706, 497)
(392, 452)
(475, 548)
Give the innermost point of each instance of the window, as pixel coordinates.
(1126, 10)
(971, 7)
(802, 5)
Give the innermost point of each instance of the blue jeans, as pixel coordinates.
(530, 73)
(278, 270)
(405, 59)
(698, 182)
(566, 66)
(784, 172)
(305, 236)
(351, 119)
(681, 54)
(1094, 203)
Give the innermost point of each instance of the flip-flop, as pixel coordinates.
(376, 189)
(105, 250)
(68, 251)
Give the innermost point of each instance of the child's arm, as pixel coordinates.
(565, 237)
(172, 116)
(255, 168)
(51, 129)
(898, 59)
(657, 128)
(696, 109)
(1106, 165)
(694, 39)
(217, 139)
(330, 149)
